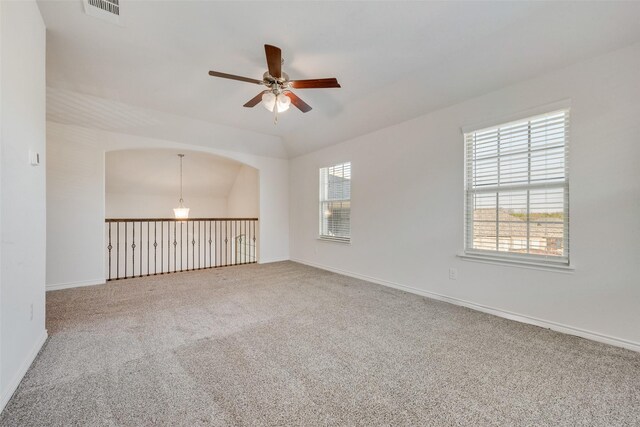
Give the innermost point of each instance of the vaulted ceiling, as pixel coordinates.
(395, 60)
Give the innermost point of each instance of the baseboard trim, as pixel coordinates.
(558, 327)
(269, 261)
(58, 286)
(24, 367)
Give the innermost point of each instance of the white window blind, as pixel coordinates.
(335, 202)
(517, 190)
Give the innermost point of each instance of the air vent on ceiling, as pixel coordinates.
(107, 10)
(111, 6)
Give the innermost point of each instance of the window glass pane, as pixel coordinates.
(548, 165)
(484, 221)
(546, 238)
(484, 237)
(512, 221)
(484, 207)
(485, 172)
(547, 205)
(514, 169)
(337, 216)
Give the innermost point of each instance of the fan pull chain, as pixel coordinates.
(275, 113)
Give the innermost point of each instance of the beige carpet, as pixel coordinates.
(286, 344)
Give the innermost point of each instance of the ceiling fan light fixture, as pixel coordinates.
(268, 101)
(271, 101)
(283, 102)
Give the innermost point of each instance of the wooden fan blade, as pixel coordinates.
(314, 83)
(255, 100)
(234, 77)
(274, 60)
(295, 100)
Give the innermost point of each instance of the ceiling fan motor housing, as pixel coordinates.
(276, 84)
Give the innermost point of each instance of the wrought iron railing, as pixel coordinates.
(139, 247)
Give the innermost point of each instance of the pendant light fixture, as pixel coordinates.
(181, 212)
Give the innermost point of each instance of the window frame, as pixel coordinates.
(321, 201)
(508, 257)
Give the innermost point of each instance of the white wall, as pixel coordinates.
(407, 204)
(274, 212)
(243, 200)
(136, 205)
(75, 210)
(273, 217)
(145, 183)
(22, 191)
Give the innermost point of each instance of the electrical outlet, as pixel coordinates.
(453, 274)
(31, 312)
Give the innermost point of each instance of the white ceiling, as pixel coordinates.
(395, 60)
(158, 172)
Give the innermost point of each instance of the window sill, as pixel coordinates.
(330, 240)
(487, 259)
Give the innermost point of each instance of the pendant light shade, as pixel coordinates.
(181, 212)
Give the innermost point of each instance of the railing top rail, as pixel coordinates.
(176, 219)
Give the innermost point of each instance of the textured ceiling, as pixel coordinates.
(395, 60)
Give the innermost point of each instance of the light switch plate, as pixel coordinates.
(34, 158)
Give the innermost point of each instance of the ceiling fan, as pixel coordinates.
(278, 95)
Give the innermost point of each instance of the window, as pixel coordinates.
(335, 202)
(517, 190)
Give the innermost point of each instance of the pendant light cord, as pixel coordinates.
(181, 200)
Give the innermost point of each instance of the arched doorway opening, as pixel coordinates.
(142, 186)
